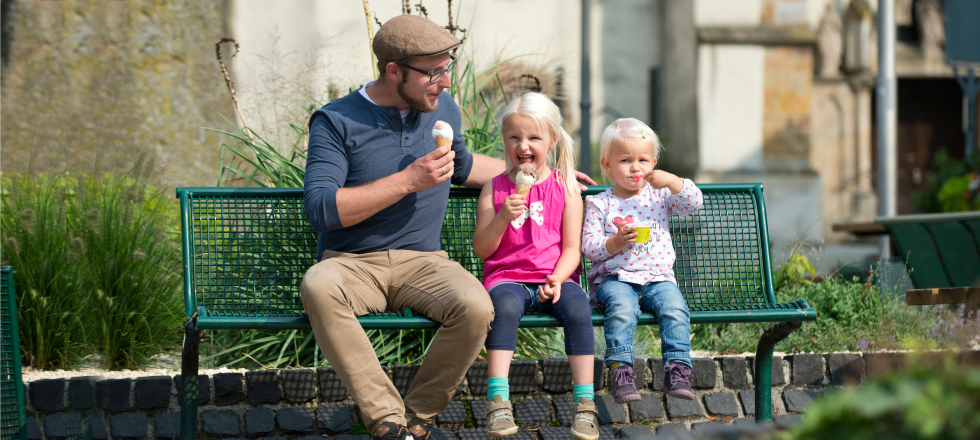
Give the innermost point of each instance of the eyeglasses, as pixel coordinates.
(434, 77)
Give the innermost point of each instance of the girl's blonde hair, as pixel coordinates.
(627, 130)
(545, 114)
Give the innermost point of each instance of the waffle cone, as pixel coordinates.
(443, 142)
(523, 189)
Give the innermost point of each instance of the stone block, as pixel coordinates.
(708, 427)
(441, 434)
(220, 423)
(454, 415)
(113, 394)
(735, 373)
(299, 386)
(607, 433)
(636, 432)
(33, 430)
(352, 437)
(721, 404)
(669, 430)
(648, 407)
(402, 376)
(748, 401)
(166, 425)
(98, 427)
(331, 388)
(475, 434)
(59, 425)
(787, 420)
(640, 370)
(203, 388)
(283, 438)
(263, 387)
(334, 418)
(968, 358)
(556, 433)
(81, 392)
(778, 374)
(295, 420)
(479, 408)
(557, 375)
(532, 413)
(229, 388)
(657, 369)
(609, 410)
(598, 374)
(703, 373)
(565, 410)
(798, 400)
(880, 364)
(153, 392)
(48, 395)
(128, 425)
(522, 376)
(476, 378)
(682, 408)
(310, 437)
(744, 421)
(845, 368)
(259, 421)
(808, 369)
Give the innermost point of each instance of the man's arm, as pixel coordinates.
(484, 169)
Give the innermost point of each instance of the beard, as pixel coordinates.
(412, 102)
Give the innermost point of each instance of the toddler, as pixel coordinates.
(631, 275)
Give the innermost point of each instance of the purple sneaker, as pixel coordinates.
(676, 383)
(621, 384)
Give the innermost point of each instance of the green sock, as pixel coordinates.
(587, 391)
(498, 386)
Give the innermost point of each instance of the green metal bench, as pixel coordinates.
(940, 250)
(12, 422)
(246, 251)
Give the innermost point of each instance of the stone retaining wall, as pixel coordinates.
(312, 402)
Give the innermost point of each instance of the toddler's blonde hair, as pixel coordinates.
(546, 115)
(627, 130)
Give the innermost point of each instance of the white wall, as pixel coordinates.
(730, 107)
(325, 41)
(727, 12)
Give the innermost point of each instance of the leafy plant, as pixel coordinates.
(944, 168)
(926, 403)
(36, 242)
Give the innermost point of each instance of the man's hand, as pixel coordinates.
(430, 170)
(550, 290)
(512, 207)
(661, 179)
(583, 179)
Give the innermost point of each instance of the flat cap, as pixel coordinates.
(412, 36)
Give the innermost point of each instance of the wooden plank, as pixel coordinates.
(860, 228)
(948, 295)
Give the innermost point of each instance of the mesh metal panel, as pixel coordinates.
(11, 388)
(718, 253)
(250, 254)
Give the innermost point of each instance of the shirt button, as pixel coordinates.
(391, 112)
(397, 125)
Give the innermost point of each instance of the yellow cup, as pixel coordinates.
(642, 233)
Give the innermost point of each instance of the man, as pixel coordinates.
(376, 190)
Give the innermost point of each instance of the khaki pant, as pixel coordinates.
(343, 286)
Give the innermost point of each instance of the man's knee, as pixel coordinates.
(320, 284)
(476, 308)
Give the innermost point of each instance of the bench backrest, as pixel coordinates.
(940, 250)
(246, 249)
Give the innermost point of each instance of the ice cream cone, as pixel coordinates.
(443, 142)
(523, 189)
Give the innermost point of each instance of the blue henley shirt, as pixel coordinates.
(354, 142)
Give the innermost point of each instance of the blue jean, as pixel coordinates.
(623, 303)
(511, 300)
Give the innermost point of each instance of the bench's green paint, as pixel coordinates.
(12, 421)
(246, 249)
(940, 250)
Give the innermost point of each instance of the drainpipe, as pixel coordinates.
(886, 115)
(585, 139)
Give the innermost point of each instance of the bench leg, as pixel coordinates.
(763, 367)
(188, 372)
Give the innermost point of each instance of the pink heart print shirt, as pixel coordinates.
(637, 263)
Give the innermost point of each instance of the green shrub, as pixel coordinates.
(926, 403)
(945, 168)
(46, 271)
(96, 267)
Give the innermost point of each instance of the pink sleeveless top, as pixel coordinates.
(531, 245)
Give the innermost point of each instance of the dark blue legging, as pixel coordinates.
(512, 300)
